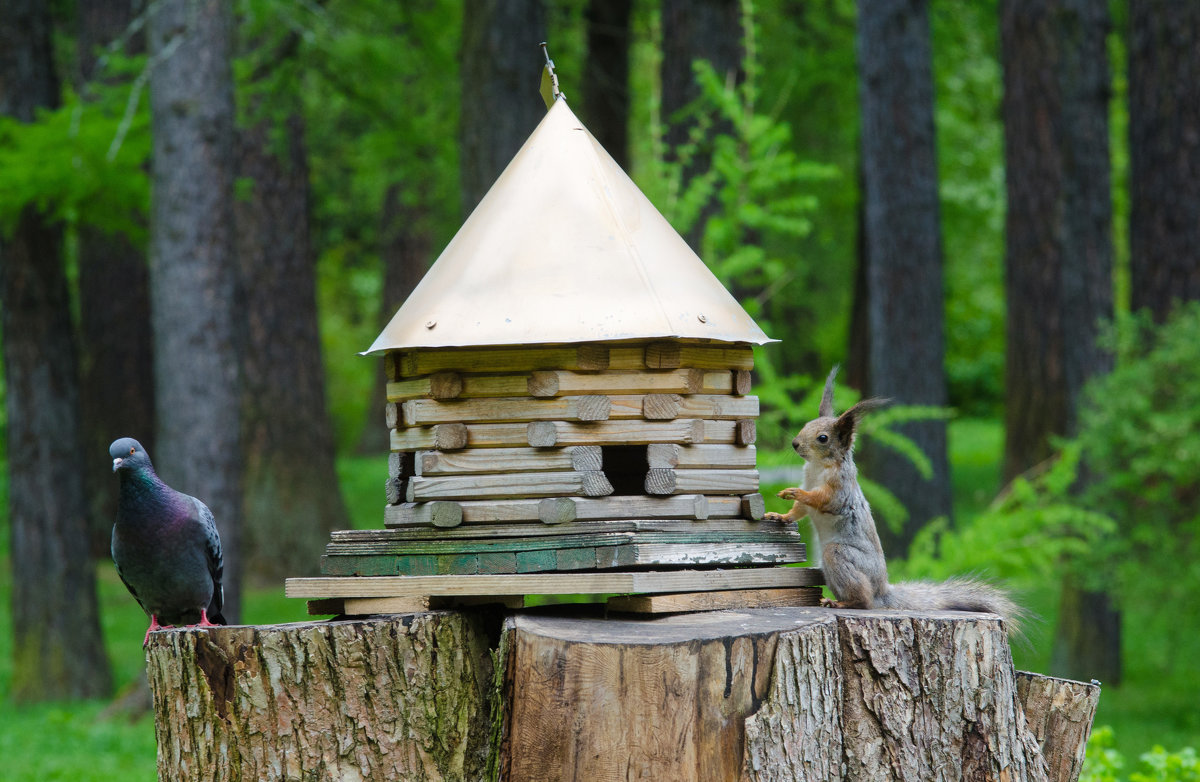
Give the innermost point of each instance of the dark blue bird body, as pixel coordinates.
(165, 544)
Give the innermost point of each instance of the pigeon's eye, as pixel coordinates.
(822, 438)
(132, 451)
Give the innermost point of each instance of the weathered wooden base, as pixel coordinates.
(765, 694)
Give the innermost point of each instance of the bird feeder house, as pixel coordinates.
(569, 399)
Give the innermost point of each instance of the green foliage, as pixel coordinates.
(1103, 763)
(83, 163)
(1025, 534)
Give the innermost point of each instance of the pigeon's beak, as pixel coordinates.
(117, 463)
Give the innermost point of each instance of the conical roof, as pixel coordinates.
(565, 248)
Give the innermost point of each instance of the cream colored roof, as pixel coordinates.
(565, 248)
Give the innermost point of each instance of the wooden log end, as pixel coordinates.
(391, 366)
(662, 455)
(594, 407)
(596, 484)
(700, 507)
(586, 457)
(445, 514)
(741, 381)
(395, 491)
(556, 510)
(450, 437)
(661, 407)
(753, 506)
(746, 432)
(445, 385)
(391, 414)
(660, 481)
(543, 384)
(693, 381)
(542, 434)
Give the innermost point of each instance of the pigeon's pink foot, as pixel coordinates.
(154, 625)
(204, 620)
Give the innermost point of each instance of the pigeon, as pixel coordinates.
(165, 545)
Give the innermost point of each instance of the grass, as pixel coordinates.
(72, 741)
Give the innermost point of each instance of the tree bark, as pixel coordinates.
(902, 252)
(58, 651)
(1059, 254)
(1060, 714)
(764, 694)
(401, 699)
(292, 499)
(501, 66)
(1164, 154)
(406, 247)
(605, 80)
(192, 269)
(708, 30)
(116, 355)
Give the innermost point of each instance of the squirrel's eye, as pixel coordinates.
(822, 438)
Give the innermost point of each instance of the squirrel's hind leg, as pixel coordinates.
(850, 585)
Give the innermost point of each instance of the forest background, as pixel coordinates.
(987, 211)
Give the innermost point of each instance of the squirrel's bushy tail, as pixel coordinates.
(955, 594)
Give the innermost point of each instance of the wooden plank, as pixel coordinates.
(472, 386)
(686, 602)
(536, 529)
(353, 606)
(711, 457)
(444, 437)
(672, 355)
(436, 514)
(495, 460)
(554, 583)
(425, 412)
(505, 359)
(546, 383)
(440, 385)
(660, 407)
(476, 486)
(571, 508)
(593, 535)
(543, 434)
(665, 480)
(682, 554)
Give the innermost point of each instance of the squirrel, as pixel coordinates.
(847, 542)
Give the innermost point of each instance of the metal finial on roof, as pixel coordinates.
(549, 87)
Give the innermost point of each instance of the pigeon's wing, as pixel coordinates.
(130, 588)
(216, 562)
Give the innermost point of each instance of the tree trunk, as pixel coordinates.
(405, 699)
(902, 252)
(117, 366)
(605, 79)
(1060, 714)
(58, 652)
(192, 268)
(707, 30)
(1059, 222)
(406, 247)
(1164, 154)
(1059, 256)
(764, 694)
(501, 66)
(292, 498)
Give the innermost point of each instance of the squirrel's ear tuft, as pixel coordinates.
(826, 408)
(847, 422)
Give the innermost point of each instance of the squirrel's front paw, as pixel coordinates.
(787, 494)
(771, 516)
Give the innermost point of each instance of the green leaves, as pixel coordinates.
(82, 163)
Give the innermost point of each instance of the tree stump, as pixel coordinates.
(404, 698)
(762, 694)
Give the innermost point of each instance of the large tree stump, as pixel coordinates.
(405, 698)
(763, 694)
